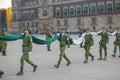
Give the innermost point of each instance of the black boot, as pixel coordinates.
(119, 56)
(3, 53)
(114, 55)
(68, 62)
(57, 65)
(92, 58)
(105, 57)
(86, 60)
(34, 67)
(100, 57)
(1, 73)
(20, 72)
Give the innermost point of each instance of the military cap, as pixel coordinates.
(63, 28)
(104, 28)
(26, 28)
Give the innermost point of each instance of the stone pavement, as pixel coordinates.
(96, 70)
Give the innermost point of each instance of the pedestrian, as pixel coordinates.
(64, 40)
(48, 37)
(88, 45)
(103, 43)
(4, 43)
(27, 49)
(116, 42)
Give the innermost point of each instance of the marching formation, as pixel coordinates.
(85, 41)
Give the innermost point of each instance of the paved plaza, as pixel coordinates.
(96, 70)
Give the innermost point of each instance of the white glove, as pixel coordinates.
(91, 47)
(99, 32)
(29, 52)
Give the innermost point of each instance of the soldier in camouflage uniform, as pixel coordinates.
(4, 43)
(117, 42)
(64, 40)
(27, 49)
(87, 46)
(48, 37)
(103, 43)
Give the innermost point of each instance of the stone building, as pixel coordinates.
(66, 13)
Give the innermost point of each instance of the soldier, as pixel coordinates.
(116, 42)
(103, 43)
(4, 43)
(27, 49)
(48, 37)
(1, 73)
(64, 40)
(80, 34)
(88, 44)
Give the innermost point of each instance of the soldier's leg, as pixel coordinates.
(119, 50)
(86, 54)
(68, 61)
(100, 52)
(30, 62)
(48, 47)
(4, 46)
(22, 65)
(92, 56)
(1, 73)
(105, 53)
(62, 52)
(115, 49)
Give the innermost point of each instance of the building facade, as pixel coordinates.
(6, 18)
(67, 13)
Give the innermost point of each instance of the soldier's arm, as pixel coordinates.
(68, 41)
(99, 32)
(30, 43)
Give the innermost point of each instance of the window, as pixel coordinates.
(32, 24)
(78, 22)
(58, 12)
(71, 11)
(45, 13)
(92, 8)
(100, 7)
(14, 16)
(93, 21)
(65, 11)
(28, 25)
(65, 22)
(58, 22)
(117, 5)
(109, 6)
(109, 20)
(85, 10)
(78, 10)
